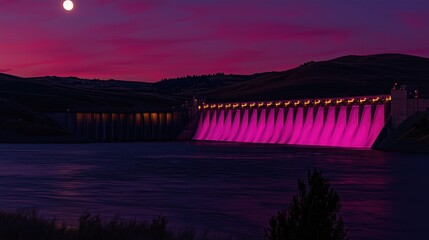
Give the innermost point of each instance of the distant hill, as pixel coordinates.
(189, 86)
(49, 94)
(344, 76)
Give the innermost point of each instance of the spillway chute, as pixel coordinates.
(354, 126)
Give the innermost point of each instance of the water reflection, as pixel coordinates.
(227, 188)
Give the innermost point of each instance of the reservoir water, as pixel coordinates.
(226, 188)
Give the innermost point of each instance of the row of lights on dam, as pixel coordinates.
(295, 103)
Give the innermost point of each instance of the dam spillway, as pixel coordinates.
(346, 122)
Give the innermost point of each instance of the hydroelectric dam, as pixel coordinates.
(353, 122)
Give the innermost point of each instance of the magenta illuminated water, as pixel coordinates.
(243, 127)
(279, 123)
(304, 134)
(227, 128)
(260, 129)
(319, 122)
(340, 127)
(228, 188)
(252, 128)
(269, 129)
(361, 136)
(235, 127)
(288, 127)
(356, 126)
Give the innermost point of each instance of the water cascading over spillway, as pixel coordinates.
(355, 126)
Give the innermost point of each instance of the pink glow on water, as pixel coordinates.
(235, 126)
(203, 126)
(220, 127)
(340, 126)
(253, 127)
(288, 126)
(328, 127)
(304, 137)
(343, 126)
(269, 127)
(279, 124)
(243, 127)
(261, 126)
(364, 126)
(213, 123)
(199, 128)
(318, 124)
(352, 125)
(376, 126)
(228, 126)
(297, 126)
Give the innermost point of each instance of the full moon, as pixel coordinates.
(68, 5)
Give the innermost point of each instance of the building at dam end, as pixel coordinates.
(405, 103)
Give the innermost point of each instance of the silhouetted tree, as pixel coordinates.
(312, 215)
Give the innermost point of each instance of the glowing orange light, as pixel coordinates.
(252, 104)
(329, 101)
(269, 104)
(244, 105)
(235, 105)
(376, 99)
(278, 104)
(287, 103)
(260, 104)
(317, 101)
(228, 105)
(213, 106)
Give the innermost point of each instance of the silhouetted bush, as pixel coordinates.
(313, 213)
(25, 224)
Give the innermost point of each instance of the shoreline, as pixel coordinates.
(410, 147)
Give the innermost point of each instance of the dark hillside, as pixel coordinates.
(345, 76)
(58, 94)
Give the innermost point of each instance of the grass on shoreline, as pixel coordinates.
(26, 224)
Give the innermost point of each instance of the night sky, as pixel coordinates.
(147, 40)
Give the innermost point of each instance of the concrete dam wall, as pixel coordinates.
(123, 126)
(346, 122)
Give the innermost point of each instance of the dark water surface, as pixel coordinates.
(225, 188)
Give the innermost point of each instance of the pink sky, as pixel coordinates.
(147, 40)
